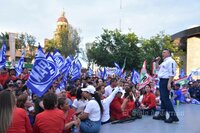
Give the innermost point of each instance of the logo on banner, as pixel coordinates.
(43, 72)
(59, 61)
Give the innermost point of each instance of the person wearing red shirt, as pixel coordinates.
(12, 73)
(51, 120)
(148, 105)
(121, 108)
(24, 75)
(70, 117)
(4, 76)
(20, 122)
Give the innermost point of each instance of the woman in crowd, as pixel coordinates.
(25, 102)
(19, 120)
(149, 101)
(70, 117)
(122, 107)
(51, 120)
(6, 109)
(80, 102)
(106, 102)
(91, 116)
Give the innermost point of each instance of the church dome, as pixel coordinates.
(62, 18)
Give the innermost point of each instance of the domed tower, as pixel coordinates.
(62, 24)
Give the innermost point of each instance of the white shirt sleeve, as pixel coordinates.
(75, 103)
(109, 99)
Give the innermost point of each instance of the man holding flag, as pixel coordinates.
(166, 73)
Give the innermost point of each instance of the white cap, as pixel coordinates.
(121, 90)
(91, 89)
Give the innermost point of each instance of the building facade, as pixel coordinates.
(189, 42)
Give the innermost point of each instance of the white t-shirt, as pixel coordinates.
(106, 105)
(79, 104)
(93, 109)
(108, 91)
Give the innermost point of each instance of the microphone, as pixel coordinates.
(156, 59)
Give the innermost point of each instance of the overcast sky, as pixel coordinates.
(144, 17)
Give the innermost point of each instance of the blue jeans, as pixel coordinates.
(88, 126)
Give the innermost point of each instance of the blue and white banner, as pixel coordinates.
(100, 73)
(52, 63)
(118, 71)
(76, 70)
(123, 76)
(182, 73)
(59, 60)
(42, 75)
(104, 75)
(3, 55)
(90, 72)
(68, 63)
(19, 66)
(135, 77)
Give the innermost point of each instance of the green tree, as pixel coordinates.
(67, 42)
(153, 47)
(113, 46)
(4, 37)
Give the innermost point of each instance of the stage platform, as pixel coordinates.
(188, 114)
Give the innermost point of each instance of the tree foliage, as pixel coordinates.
(153, 47)
(4, 37)
(22, 41)
(113, 46)
(67, 42)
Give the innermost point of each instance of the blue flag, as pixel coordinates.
(68, 62)
(190, 77)
(90, 72)
(135, 77)
(51, 62)
(118, 70)
(20, 64)
(42, 75)
(63, 83)
(104, 74)
(3, 56)
(59, 60)
(76, 70)
(182, 73)
(123, 76)
(99, 73)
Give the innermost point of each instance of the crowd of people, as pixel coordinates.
(83, 106)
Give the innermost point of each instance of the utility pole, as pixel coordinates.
(120, 15)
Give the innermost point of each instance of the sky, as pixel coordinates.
(145, 18)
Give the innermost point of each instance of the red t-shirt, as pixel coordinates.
(115, 109)
(149, 100)
(3, 78)
(20, 122)
(69, 118)
(24, 76)
(129, 107)
(13, 78)
(49, 121)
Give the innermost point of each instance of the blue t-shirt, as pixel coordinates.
(178, 94)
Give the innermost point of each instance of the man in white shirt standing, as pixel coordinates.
(166, 73)
(109, 88)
